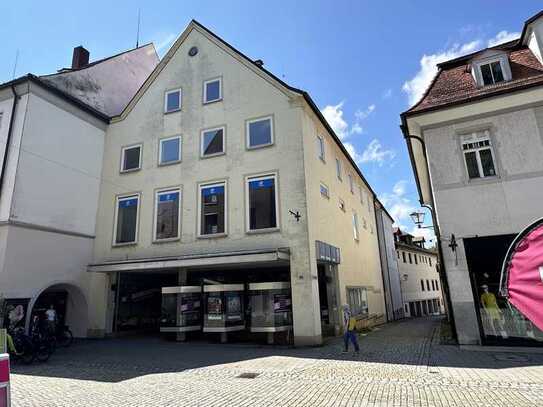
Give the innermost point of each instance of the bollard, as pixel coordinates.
(4, 380)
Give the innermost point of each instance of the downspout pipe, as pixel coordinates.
(442, 270)
(8, 139)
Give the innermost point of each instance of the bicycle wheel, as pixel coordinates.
(66, 339)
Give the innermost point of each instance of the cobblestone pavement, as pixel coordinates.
(400, 364)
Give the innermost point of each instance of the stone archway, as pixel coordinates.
(71, 303)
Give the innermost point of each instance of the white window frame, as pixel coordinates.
(223, 128)
(162, 140)
(502, 58)
(339, 169)
(204, 92)
(201, 186)
(476, 138)
(123, 149)
(327, 194)
(164, 191)
(351, 183)
(356, 228)
(118, 199)
(341, 205)
(361, 191)
(321, 152)
(168, 92)
(490, 62)
(247, 132)
(249, 178)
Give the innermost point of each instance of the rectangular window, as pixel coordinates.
(338, 168)
(212, 209)
(403, 256)
(262, 202)
(213, 90)
(492, 73)
(410, 259)
(167, 214)
(433, 285)
(131, 158)
(259, 132)
(212, 142)
(320, 147)
(357, 298)
(355, 226)
(437, 285)
(430, 261)
(342, 204)
(428, 285)
(478, 155)
(351, 183)
(172, 101)
(422, 284)
(324, 191)
(126, 223)
(416, 260)
(169, 150)
(361, 191)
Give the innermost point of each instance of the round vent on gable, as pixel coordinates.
(193, 51)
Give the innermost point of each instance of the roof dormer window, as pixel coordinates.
(491, 73)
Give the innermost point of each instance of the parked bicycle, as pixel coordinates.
(29, 348)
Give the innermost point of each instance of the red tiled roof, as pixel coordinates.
(454, 83)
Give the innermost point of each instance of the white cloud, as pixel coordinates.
(334, 116)
(387, 93)
(375, 152)
(427, 233)
(416, 86)
(351, 149)
(363, 114)
(503, 36)
(164, 41)
(399, 187)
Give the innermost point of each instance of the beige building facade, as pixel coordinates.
(218, 171)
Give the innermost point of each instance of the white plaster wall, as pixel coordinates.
(411, 288)
(59, 168)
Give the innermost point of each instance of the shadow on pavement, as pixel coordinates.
(405, 343)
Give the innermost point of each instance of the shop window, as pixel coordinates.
(172, 101)
(262, 202)
(357, 298)
(131, 158)
(212, 209)
(169, 150)
(126, 223)
(212, 142)
(478, 155)
(167, 205)
(259, 132)
(213, 90)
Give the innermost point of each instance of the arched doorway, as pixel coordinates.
(70, 304)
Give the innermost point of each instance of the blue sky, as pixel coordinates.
(363, 62)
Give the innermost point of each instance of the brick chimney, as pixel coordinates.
(80, 57)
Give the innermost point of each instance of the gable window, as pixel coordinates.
(212, 90)
(355, 226)
(126, 219)
(169, 150)
(212, 142)
(212, 214)
(342, 204)
(262, 202)
(492, 73)
(324, 191)
(478, 155)
(338, 168)
(131, 158)
(172, 101)
(351, 183)
(167, 214)
(320, 147)
(259, 132)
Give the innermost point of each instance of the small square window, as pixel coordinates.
(259, 132)
(324, 191)
(172, 101)
(131, 158)
(212, 142)
(169, 150)
(212, 90)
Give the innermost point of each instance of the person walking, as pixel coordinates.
(349, 326)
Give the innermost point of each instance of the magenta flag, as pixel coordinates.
(523, 269)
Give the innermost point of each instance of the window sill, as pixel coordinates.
(129, 171)
(168, 240)
(203, 157)
(124, 244)
(172, 111)
(214, 236)
(169, 163)
(263, 231)
(260, 146)
(209, 102)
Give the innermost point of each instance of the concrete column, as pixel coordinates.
(305, 298)
(181, 280)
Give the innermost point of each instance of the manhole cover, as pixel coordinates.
(511, 358)
(247, 375)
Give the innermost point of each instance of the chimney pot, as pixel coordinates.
(259, 62)
(80, 57)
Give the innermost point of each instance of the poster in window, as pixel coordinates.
(214, 308)
(190, 303)
(14, 312)
(281, 303)
(233, 307)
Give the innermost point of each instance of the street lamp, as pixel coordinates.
(418, 219)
